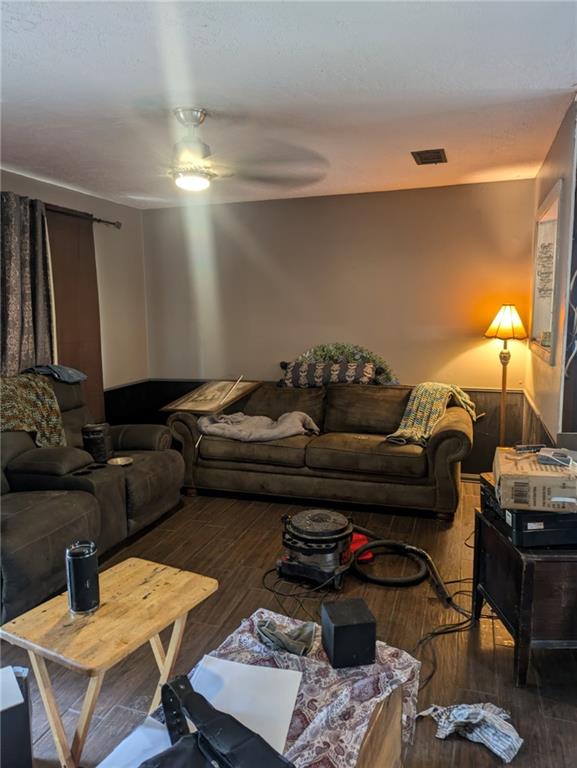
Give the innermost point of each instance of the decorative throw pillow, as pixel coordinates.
(318, 374)
(352, 353)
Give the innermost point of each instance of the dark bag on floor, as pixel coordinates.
(219, 742)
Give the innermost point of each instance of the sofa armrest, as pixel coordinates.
(450, 442)
(141, 437)
(455, 425)
(49, 461)
(184, 427)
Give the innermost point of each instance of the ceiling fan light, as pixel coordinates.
(192, 182)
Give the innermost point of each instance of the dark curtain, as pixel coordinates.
(27, 332)
(76, 304)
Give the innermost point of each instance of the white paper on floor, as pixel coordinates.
(262, 698)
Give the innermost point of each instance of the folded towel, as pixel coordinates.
(59, 372)
(298, 641)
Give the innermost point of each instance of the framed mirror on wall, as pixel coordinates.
(545, 273)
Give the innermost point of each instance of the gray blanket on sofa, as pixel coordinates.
(239, 426)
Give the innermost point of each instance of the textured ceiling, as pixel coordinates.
(87, 89)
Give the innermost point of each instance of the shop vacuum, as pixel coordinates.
(321, 546)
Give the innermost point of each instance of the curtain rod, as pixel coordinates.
(82, 215)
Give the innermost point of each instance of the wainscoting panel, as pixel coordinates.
(486, 429)
(140, 403)
(534, 431)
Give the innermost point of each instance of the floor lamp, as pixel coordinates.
(506, 325)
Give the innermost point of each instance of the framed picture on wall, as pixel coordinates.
(545, 272)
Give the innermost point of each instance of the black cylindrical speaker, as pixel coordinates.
(97, 440)
(82, 577)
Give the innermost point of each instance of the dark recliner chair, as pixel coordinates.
(54, 496)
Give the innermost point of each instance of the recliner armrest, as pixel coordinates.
(456, 425)
(49, 461)
(141, 437)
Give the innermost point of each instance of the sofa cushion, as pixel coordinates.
(299, 374)
(11, 445)
(348, 452)
(153, 484)
(75, 413)
(356, 408)
(288, 452)
(272, 401)
(49, 461)
(37, 526)
(69, 396)
(73, 421)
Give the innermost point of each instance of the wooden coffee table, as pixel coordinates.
(138, 599)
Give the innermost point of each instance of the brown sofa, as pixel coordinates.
(54, 496)
(348, 462)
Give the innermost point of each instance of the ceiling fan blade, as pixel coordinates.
(271, 153)
(280, 180)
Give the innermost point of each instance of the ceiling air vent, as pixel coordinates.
(429, 156)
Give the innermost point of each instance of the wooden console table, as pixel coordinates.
(531, 590)
(139, 599)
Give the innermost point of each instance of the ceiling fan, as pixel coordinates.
(194, 165)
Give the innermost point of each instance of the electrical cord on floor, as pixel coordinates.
(425, 640)
(321, 591)
(304, 593)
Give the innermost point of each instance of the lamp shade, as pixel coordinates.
(507, 324)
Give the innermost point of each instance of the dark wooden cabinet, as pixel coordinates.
(533, 591)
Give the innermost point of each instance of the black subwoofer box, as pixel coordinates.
(349, 633)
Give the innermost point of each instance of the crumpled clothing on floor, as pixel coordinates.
(483, 723)
(298, 640)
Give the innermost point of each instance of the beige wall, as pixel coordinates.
(415, 275)
(119, 264)
(545, 382)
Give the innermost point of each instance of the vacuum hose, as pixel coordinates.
(425, 565)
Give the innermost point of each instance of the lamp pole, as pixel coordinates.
(504, 357)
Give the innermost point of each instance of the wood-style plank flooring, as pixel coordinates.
(235, 541)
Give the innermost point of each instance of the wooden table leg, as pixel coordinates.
(170, 658)
(52, 712)
(521, 659)
(523, 635)
(88, 705)
(69, 756)
(158, 651)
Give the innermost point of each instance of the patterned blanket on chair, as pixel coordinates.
(427, 404)
(28, 404)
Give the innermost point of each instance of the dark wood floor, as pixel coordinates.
(235, 541)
